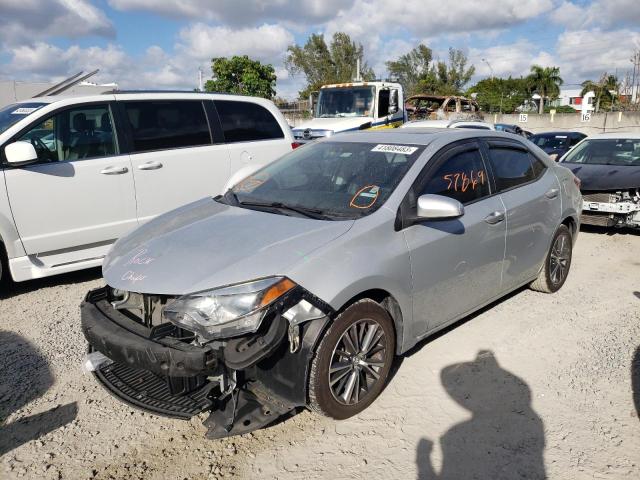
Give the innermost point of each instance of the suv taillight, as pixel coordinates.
(295, 145)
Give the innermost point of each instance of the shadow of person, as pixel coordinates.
(25, 376)
(504, 439)
(635, 380)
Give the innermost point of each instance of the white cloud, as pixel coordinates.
(600, 13)
(202, 42)
(240, 12)
(26, 20)
(513, 59)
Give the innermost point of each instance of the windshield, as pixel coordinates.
(346, 102)
(551, 142)
(13, 113)
(610, 151)
(338, 180)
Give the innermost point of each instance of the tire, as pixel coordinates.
(556, 264)
(360, 377)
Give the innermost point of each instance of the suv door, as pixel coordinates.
(174, 157)
(79, 197)
(456, 264)
(531, 195)
(252, 134)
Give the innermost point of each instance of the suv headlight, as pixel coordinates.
(227, 311)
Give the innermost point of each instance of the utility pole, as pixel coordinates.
(200, 79)
(635, 78)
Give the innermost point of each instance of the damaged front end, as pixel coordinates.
(153, 352)
(616, 208)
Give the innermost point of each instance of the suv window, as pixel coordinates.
(163, 125)
(247, 122)
(74, 134)
(513, 167)
(462, 177)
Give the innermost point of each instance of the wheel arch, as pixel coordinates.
(387, 301)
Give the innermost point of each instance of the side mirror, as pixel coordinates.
(438, 207)
(20, 153)
(393, 109)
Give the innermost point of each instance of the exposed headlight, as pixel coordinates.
(227, 311)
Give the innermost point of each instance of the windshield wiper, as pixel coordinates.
(314, 213)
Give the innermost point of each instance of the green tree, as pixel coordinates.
(603, 90)
(242, 75)
(452, 77)
(324, 64)
(412, 68)
(500, 94)
(545, 81)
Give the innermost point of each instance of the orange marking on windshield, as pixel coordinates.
(375, 191)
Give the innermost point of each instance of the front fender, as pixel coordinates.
(8, 233)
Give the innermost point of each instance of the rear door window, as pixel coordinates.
(164, 125)
(247, 122)
(513, 167)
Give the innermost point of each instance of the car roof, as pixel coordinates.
(419, 136)
(142, 94)
(602, 136)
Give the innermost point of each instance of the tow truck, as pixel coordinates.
(343, 107)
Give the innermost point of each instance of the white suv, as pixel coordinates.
(76, 173)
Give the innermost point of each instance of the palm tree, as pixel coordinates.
(546, 82)
(602, 89)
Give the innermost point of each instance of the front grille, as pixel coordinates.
(148, 391)
(598, 219)
(600, 197)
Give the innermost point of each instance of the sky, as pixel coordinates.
(162, 43)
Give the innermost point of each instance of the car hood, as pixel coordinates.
(207, 244)
(605, 177)
(339, 124)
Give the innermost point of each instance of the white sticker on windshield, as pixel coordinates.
(403, 149)
(24, 111)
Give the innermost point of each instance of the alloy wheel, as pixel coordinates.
(356, 362)
(559, 259)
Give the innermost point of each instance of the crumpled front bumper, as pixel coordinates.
(124, 340)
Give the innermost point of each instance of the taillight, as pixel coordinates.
(295, 145)
(577, 181)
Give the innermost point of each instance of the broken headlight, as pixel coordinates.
(227, 311)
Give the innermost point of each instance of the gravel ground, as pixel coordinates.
(535, 386)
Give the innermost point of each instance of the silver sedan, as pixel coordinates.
(300, 284)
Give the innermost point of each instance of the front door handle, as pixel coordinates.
(493, 218)
(553, 193)
(150, 166)
(113, 170)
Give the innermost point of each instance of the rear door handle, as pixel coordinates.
(150, 166)
(493, 218)
(553, 193)
(113, 170)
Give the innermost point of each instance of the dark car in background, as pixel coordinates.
(512, 128)
(556, 144)
(608, 166)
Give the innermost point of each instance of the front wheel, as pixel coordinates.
(557, 263)
(352, 361)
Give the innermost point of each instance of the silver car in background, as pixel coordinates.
(299, 286)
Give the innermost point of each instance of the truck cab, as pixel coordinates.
(344, 107)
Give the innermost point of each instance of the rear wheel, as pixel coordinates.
(557, 263)
(352, 361)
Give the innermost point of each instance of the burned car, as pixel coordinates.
(608, 166)
(300, 285)
(439, 107)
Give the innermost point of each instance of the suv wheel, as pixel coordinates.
(352, 361)
(557, 263)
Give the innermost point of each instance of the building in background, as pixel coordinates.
(572, 97)
(14, 90)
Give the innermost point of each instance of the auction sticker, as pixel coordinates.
(24, 111)
(402, 149)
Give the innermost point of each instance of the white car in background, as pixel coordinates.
(478, 125)
(76, 173)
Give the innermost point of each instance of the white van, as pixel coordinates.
(76, 173)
